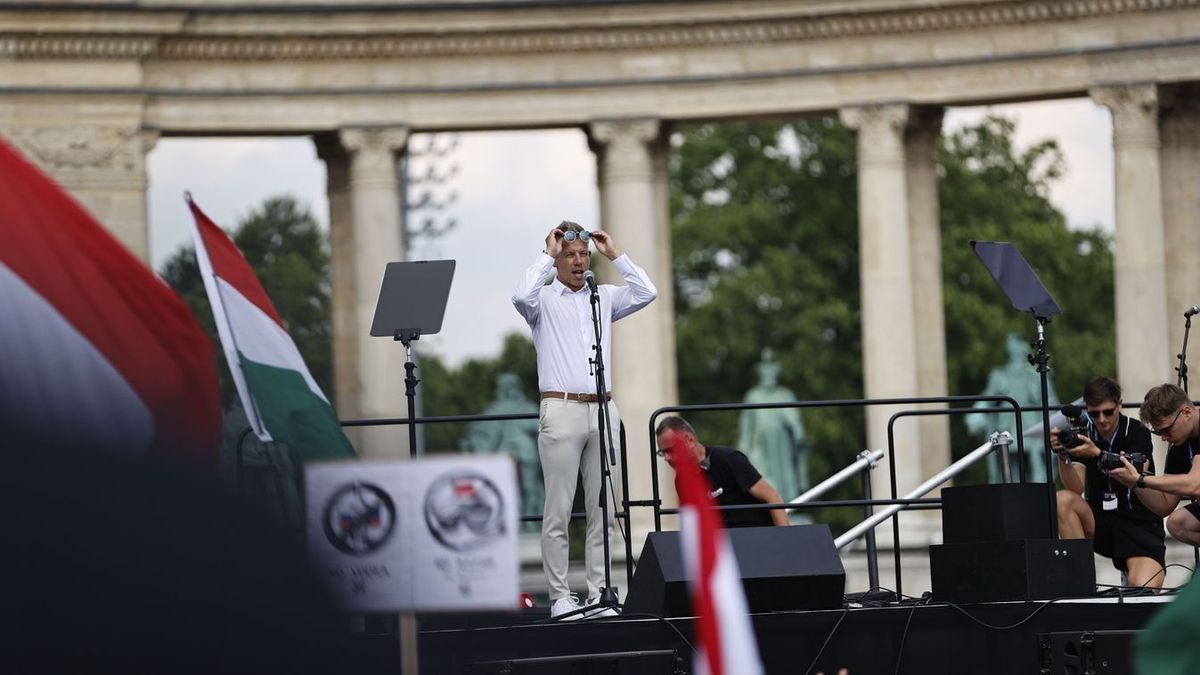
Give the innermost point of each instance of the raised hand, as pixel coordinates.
(605, 245)
(554, 242)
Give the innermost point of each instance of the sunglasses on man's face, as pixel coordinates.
(1166, 428)
(1103, 412)
(572, 235)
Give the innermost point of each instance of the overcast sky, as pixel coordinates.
(514, 186)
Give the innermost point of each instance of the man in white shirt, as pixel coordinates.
(560, 315)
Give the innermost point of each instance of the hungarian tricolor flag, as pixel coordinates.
(95, 350)
(282, 400)
(726, 643)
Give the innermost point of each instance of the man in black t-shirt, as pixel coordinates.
(1094, 505)
(1170, 414)
(733, 479)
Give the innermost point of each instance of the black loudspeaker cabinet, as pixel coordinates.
(1092, 652)
(782, 568)
(1031, 569)
(1001, 512)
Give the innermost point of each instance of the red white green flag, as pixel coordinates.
(282, 400)
(95, 350)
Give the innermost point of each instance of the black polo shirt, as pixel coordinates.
(731, 476)
(1131, 436)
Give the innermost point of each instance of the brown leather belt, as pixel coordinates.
(582, 398)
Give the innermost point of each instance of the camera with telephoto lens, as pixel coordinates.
(1080, 425)
(1107, 461)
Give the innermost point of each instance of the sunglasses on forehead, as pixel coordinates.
(572, 235)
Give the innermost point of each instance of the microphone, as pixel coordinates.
(1071, 411)
(589, 278)
(1191, 311)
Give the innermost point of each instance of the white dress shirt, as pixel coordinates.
(561, 320)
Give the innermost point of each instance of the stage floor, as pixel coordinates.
(1061, 636)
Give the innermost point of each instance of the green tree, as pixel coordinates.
(289, 253)
(765, 238)
(765, 241)
(991, 191)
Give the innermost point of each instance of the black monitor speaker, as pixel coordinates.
(1000, 512)
(782, 568)
(1028, 569)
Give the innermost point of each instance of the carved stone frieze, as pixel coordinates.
(70, 46)
(61, 148)
(388, 42)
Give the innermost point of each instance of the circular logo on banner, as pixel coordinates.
(359, 518)
(464, 511)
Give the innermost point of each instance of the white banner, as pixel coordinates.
(427, 534)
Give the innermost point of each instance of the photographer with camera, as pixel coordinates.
(1093, 503)
(1171, 416)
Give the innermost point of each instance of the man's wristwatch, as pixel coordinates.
(1141, 481)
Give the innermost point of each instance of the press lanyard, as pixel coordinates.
(1112, 441)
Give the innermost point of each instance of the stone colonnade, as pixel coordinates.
(1156, 140)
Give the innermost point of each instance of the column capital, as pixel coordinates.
(1179, 115)
(880, 130)
(391, 139)
(925, 121)
(861, 118)
(641, 130)
(624, 147)
(922, 134)
(372, 152)
(329, 146)
(1134, 109)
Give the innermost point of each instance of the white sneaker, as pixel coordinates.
(563, 606)
(598, 612)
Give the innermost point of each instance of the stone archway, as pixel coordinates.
(87, 89)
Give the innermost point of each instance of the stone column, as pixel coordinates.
(1179, 123)
(1143, 357)
(633, 207)
(885, 269)
(104, 167)
(925, 235)
(660, 154)
(364, 224)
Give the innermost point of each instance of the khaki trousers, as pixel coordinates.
(569, 442)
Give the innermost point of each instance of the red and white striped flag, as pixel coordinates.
(726, 638)
(96, 352)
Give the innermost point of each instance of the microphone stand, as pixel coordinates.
(1041, 359)
(1182, 369)
(608, 595)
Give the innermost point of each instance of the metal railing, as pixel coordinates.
(862, 466)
